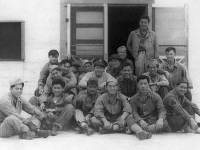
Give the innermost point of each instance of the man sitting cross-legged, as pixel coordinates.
(84, 104)
(111, 110)
(148, 111)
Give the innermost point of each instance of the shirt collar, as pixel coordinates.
(117, 98)
(148, 94)
(14, 98)
(138, 32)
(126, 78)
(175, 64)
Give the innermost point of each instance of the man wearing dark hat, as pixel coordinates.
(11, 120)
(84, 104)
(180, 111)
(148, 111)
(158, 82)
(115, 69)
(75, 68)
(99, 73)
(111, 110)
(87, 67)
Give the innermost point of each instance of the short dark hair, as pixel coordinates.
(58, 81)
(170, 49)
(64, 61)
(145, 17)
(126, 64)
(12, 86)
(142, 77)
(53, 52)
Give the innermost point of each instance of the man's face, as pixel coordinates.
(122, 53)
(170, 55)
(153, 69)
(88, 67)
(143, 85)
(65, 67)
(57, 89)
(56, 74)
(127, 72)
(143, 24)
(17, 90)
(116, 63)
(53, 59)
(74, 69)
(182, 88)
(92, 89)
(112, 87)
(98, 71)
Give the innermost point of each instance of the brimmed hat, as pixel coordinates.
(76, 64)
(15, 81)
(52, 67)
(183, 80)
(86, 61)
(153, 62)
(115, 56)
(92, 81)
(101, 63)
(112, 79)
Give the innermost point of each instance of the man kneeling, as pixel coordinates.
(148, 111)
(111, 110)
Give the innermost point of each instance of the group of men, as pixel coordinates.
(104, 97)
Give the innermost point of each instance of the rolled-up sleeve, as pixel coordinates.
(160, 107)
(126, 106)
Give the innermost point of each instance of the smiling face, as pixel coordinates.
(152, 69)
(55, 74)
(53, 59)
(127, 72)
(92, 89)
(65, 67)
(57, 89)
(122, 53)
(17, 90)
(181, 88)
(88, 67)
(112, 87)
(144, 24)
(98, 71)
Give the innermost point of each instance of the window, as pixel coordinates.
(11, 41)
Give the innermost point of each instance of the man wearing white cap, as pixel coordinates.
(11, 120)
(111, 110)
(87, 66)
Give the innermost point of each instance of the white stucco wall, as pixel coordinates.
(42, 33)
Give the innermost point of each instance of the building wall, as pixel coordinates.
(42, 33)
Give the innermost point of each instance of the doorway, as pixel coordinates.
(122, 19)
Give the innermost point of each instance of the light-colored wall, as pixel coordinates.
(42, 33)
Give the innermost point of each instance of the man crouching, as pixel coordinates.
(11, 120)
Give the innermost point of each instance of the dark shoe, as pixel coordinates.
(32, 126)
(79, 130)
(89, 131)
(141, 135)
(102, 130)
(42, 133)
(54, 130)
(149, 135)
(27, 135)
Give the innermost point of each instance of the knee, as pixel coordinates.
(12, 120)
(96, 122)
(70, 108)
